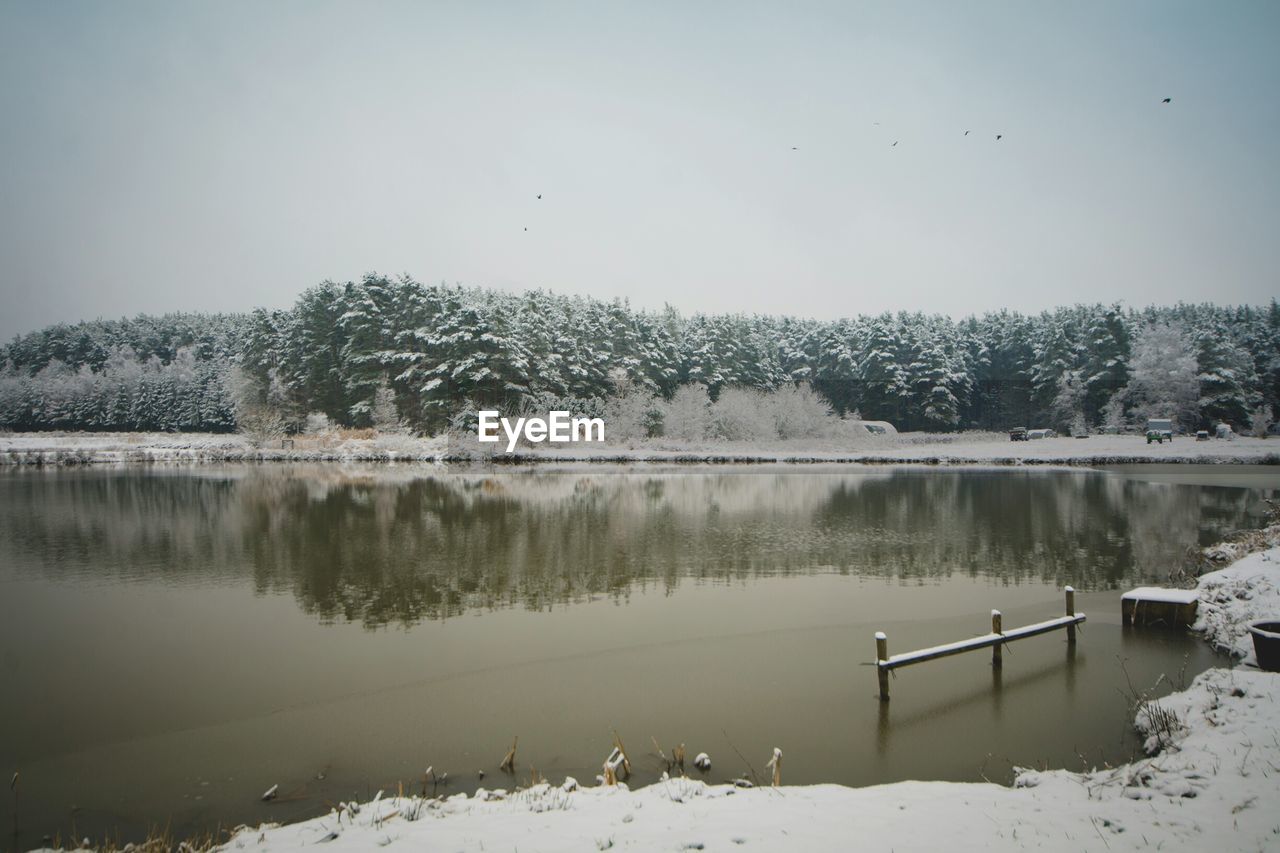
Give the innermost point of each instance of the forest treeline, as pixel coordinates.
(387, 350)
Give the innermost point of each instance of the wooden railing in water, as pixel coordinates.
(995, 640)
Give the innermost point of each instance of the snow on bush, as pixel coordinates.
(632, 417)
(687, 415)
(742, 414)
(317, 423)
(800, 412)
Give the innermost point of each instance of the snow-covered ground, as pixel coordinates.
(1210, 783)
(1231, 598)
(964, 448)
(983, 448)
(52, 448)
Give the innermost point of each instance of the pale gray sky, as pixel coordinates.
(219, 156)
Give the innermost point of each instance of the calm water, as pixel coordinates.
(174, 642)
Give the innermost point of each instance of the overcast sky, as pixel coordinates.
(220, 156)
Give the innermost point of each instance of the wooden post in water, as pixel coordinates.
(882, 653)
(997, 651)
(1071, 611)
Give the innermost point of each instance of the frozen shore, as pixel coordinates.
(1210, 783)
(957, 449)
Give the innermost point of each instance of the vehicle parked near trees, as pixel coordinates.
(1159, 430)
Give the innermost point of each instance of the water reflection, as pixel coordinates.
(382, 547)
(990, 694)
(177, 640)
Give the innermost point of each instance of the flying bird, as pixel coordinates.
(895, 144)
(1167, 101)
(539, 195)
(966, 133)
(999, 136)
(793, 148)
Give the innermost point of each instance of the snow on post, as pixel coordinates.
(882, 654)
(997, 651)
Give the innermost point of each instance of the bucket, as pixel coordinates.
(1266, 644)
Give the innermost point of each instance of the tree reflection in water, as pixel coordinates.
(385, 546)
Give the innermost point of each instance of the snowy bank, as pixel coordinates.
(89, 448)
(1231, 598)
(1213, 785)
(908, 448)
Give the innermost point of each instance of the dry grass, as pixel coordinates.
(775, 764)
(1159, 724)
(622, 751)
(157, 841)
(508, 764)
(1240, 545)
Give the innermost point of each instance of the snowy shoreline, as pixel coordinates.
(56, 449)
(1207, 782)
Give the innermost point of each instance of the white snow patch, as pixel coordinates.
(1162, 595)
(1231, 598)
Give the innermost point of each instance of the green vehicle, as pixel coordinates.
(1159, 430)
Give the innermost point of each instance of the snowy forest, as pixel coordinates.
(392, 352)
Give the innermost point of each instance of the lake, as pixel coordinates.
(174, 641)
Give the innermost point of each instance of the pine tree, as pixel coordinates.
(1106, 365)
(1226, 377)
(367, 351)
(882, 379)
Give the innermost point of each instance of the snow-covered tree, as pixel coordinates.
(383, 413)
(437, 347)
(1163, 379)
(1226, 376)
(883, 378)
(1106, 362)
(1068, 405)
(1260, 420)
(687, 415)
